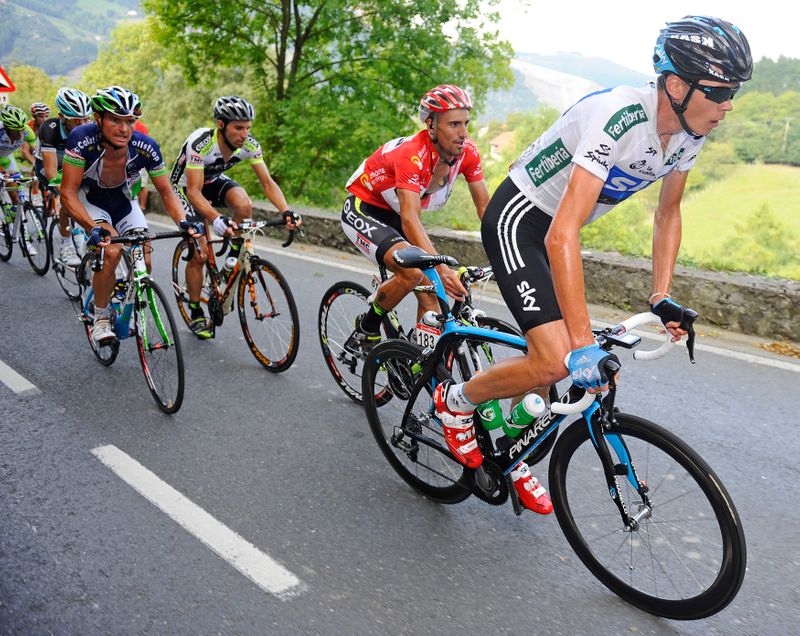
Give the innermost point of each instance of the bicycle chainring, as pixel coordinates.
(215, 311)
(491, 486)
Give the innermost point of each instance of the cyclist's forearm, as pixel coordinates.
(667, 230)
(76, 210)
(275, 195)
(50, 161)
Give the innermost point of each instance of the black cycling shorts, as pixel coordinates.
(513, 231)
(214, 192)
(371, 229)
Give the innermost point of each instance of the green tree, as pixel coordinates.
(335, 78)
(131, 58)
(33, 85)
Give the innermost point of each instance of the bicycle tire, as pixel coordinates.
(158, 344)
(179, 284)
(341, 304)
(35, 230)
(6, 244)
(437, 475)
(66, 276)
(107, 354)
(652, 446)
(273, 337)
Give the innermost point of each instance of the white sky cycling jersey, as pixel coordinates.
(612, 134)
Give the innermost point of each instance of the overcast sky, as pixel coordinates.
(625, 32)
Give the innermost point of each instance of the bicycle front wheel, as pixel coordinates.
(106, 354)
(36, 245)
(159, 347)
(268, 316)
(687, 557)
(6, 244)
(404, 426)
(67, 276)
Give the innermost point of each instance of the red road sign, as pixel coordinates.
(6, 85)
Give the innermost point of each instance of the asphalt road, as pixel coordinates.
(286, 464)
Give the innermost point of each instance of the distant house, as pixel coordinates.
(499, 144)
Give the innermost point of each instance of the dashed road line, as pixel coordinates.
(240, 553)
(14, 381)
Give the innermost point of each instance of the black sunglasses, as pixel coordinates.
(717, 94)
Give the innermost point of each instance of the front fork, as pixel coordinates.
(601, 422)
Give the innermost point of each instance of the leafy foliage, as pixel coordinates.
(776, 77)
(335, 79)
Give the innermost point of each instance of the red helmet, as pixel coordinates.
(443, 98)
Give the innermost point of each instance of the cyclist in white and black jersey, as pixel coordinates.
(198, 179)
(605, 148)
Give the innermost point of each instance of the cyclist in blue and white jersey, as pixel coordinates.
(605, 148)
(101, 177)
(198, 178)
(74, 109)
(15, 135)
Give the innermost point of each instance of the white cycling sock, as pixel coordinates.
(66, 240)
(457, 401)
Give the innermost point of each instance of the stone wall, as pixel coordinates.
(748, 304)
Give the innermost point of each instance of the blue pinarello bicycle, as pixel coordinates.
(643, 511)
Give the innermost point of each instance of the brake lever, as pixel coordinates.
(191, 248)
(689, 316)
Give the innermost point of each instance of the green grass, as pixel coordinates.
(709, 215)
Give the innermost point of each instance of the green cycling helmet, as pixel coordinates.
(117, 100)
(13, 118)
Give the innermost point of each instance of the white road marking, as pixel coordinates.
(241, 554)
(727, 353)
(15, 382)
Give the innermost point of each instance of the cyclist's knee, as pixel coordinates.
(243, 210)
(408, 279)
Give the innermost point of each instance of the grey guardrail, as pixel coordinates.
(745, 303)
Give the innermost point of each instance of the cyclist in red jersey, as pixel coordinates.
(392, 187)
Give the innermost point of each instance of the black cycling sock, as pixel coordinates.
(196, 310)
(373, 318)
(236, 247)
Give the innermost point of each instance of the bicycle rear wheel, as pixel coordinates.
(34, 241)
(268, 316)
(404, 427)
(179, 283)
(106, 354)
(159, 347)
(67, 276)
(686, 560)
(341, 305)
(6, 244)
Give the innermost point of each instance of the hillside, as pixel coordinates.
(58, 36)
(555, 80)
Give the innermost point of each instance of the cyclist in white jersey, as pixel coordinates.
(605, 148)
(199, 180)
